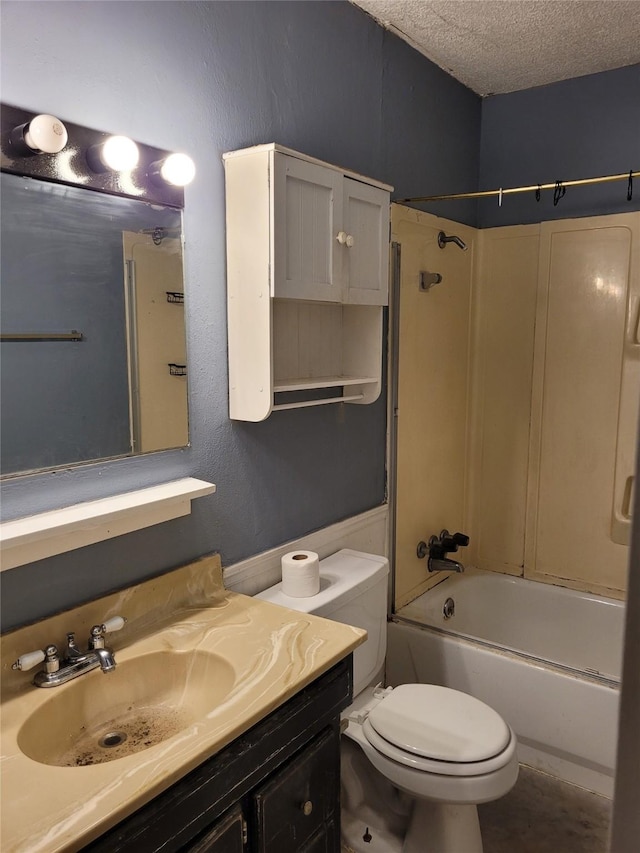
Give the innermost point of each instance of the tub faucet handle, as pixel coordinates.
(439, 546)
(451, 542)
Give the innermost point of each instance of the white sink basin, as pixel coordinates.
(101, 717)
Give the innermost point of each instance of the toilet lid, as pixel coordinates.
(440, 723)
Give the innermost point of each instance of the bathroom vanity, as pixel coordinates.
(276, 788)
(253, 692)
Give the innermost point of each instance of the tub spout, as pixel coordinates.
(438, 547)
(444, 564)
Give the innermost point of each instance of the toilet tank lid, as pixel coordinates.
(343, 576)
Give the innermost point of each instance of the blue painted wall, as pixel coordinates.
(580, 128)
(206, 77)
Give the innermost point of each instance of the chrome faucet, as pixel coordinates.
(437, 548)
(58, 670)
(105, 659)
(444, 564)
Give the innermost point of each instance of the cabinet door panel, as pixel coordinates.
(323, 841)
(227, 836)
(301, 799)
(308, 213)
(367, 252)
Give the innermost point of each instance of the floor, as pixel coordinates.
(543, 815)
(540, 815)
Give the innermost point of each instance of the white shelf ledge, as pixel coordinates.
(36, 537)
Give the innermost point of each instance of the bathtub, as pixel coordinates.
(548, 659)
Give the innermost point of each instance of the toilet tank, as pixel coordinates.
(353, 590)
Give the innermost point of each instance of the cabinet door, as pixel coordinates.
(366, 251)
(300, 804)
(227, 835)
(323, 841)
(307, 222)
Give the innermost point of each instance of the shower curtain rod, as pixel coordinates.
(627, 176)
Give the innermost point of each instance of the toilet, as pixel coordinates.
(438, 752)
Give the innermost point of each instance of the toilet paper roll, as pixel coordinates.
(300, 574)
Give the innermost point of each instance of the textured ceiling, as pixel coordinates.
(495, 46)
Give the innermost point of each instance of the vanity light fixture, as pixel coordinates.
(43, 134)
(116, 154)
(176, 169)
(93, 159)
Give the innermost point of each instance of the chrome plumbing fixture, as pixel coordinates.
(58, 670)
(443, 240)
(428, 279)
(438, 547)
(449, 608)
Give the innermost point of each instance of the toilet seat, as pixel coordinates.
(440, 768)
(439, 723)
(436, 729)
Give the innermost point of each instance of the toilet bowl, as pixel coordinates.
(438, 752)
(466, 756)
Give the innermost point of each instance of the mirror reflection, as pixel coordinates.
(93, 353)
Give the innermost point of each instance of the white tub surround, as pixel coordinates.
(555, 679)
(273, 653)
(532, 450)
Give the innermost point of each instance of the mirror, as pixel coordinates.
(93, 352)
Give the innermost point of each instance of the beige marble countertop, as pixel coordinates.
(273, 653)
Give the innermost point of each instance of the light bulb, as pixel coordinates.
(178, 169)
(116, 154)
(120, 154)
(46, 133)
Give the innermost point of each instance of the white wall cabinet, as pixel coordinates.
(307, 278)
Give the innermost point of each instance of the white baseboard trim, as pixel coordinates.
(365, 532)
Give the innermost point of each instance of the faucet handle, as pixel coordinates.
(31, 659)
(96, 638)
(113, 624)
(452, 541)
(28, 660)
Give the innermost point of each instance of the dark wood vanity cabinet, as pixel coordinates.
(295, 806)
(228, 835)
(276, 789)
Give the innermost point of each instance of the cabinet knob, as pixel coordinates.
(349, 241)
(307, 808)
(341, 237)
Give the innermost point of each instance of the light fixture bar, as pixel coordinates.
(87, 160)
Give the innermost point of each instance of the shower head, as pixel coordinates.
(159, 233)
(443, 240)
